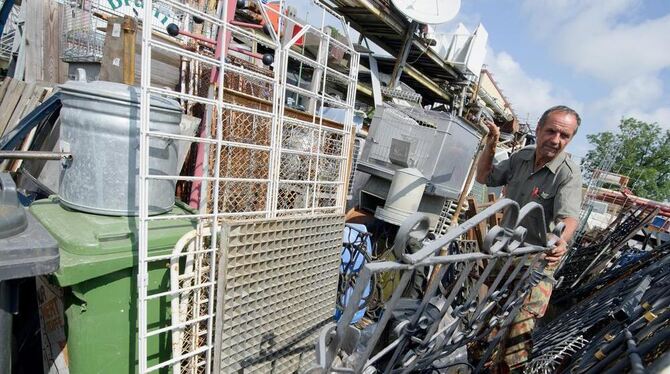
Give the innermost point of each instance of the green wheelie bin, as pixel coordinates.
(98, 275)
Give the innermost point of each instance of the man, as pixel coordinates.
(545, 174)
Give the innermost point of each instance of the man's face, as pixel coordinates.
(554, 135)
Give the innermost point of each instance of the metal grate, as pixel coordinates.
(444, 220)
(255, 159)
(192, 304)
(277, 286)
(193, 270)
(313, 159)
(83, 32)
(594, 184)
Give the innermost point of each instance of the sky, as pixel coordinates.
(607, 59)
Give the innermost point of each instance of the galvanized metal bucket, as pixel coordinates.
(100, 127)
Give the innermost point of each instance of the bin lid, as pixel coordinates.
(26, 248)
(116, 91)
(93, 245)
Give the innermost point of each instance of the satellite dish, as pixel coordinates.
(430, 12)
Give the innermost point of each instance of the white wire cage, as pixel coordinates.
(85, 24)
(258, 159)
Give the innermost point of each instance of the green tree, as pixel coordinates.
(641, 151)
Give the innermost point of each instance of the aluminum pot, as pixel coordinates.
(100, 123)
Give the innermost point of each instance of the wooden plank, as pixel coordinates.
(14, 91)
(36, 97)
(34, 32)
(28, 93)
(3, 87)
(54, 69)
(165, 66)
(480, 228)
(129, 31)
(111, 66)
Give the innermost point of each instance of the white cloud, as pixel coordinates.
(637, 98)
(596, 37)
(529, 95)
(661, 116)
(608, 41)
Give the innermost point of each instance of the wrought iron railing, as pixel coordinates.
(417, 333)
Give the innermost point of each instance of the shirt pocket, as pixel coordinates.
(546, 199)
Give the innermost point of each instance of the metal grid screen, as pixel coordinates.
(277, 287)
(254, 159)
(313, 159)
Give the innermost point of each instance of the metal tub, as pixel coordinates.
(100, 124)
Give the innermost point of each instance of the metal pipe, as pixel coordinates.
(427, 82)
(34, 155)
(246, 24)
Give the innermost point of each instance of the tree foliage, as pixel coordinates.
(641, 151)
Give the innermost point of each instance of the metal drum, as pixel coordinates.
(100, 124)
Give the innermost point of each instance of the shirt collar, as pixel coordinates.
(552, 165)
(556, 162)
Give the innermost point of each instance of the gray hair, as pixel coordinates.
(560, 109)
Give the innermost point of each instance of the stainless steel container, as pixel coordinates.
(100, 124)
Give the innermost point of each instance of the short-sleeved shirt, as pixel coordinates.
(557, 186)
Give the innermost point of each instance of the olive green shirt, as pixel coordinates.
(557, 186)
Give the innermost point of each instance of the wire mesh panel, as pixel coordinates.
(313, 159)
(277, 286)
(594, 184)
(356, 154)
(233, 176)
(187, 273)
(83, 35)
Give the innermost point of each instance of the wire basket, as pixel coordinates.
(84, 25)
(83, 32)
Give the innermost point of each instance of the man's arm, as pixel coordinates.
(485, 163)
(567, 205)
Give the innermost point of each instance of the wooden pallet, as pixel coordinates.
(18, 99)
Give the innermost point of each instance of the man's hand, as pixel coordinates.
(493, 135)
(554, 256)
(485, 162)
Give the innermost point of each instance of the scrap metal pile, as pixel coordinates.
(622, 327)
(617, 297)
(427, 323)
(592, 256)
(616, 321)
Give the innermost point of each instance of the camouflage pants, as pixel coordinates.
(518, 345)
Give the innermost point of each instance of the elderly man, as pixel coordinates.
(542, 173)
